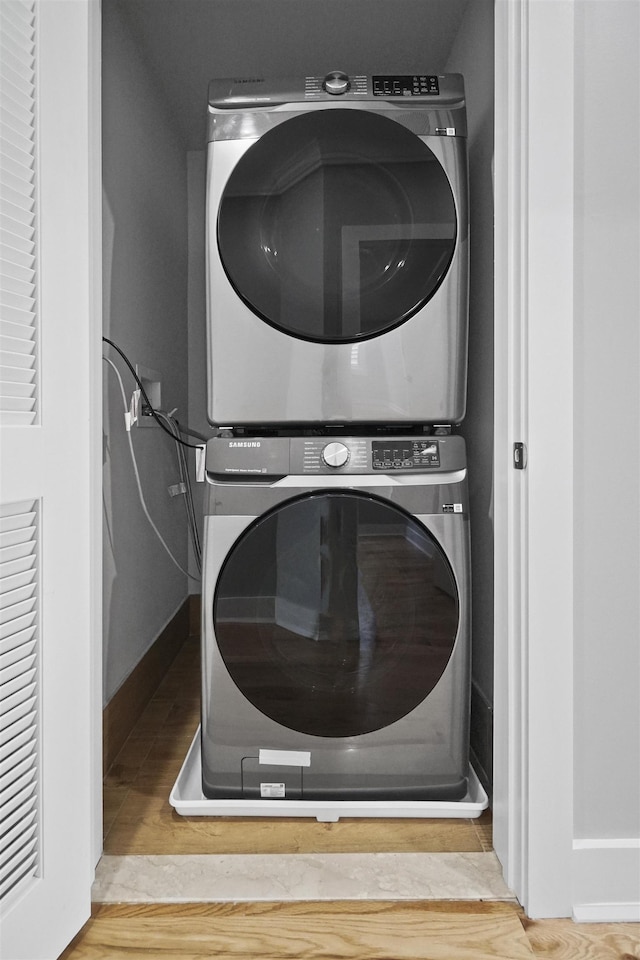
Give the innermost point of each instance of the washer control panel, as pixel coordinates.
(357, 455)
(268, 457)
(405, 454)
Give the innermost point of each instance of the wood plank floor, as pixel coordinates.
(338, 931)
(346, 930)
(139, 820)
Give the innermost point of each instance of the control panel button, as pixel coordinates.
(336, 82)
(404, 453)
(335, 454)
(406, 86)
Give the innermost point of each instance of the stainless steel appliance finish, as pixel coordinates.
(337, 250)
(336, 618)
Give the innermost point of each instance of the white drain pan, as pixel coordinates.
(188, 800)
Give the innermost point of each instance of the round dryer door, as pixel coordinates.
(337, 225)
(336, 614)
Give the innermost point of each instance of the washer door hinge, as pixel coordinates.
(519, 456)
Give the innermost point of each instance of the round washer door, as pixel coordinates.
(337, 225)
(336, 614)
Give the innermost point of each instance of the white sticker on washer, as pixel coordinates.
(272, 790)
(285, 758)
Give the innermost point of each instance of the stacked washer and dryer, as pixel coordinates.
(336, 583)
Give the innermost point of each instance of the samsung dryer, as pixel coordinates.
(337, 250)
(335, 634)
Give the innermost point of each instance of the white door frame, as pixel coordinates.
(96, 365)
(533, 785)
(533, 763)
(533, 800)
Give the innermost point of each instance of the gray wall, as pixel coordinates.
(472, 55)
(145, 313)
(187, 42)
(607, 421)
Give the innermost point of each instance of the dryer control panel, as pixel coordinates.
(438, 91)
(406, 86)
(337, 84)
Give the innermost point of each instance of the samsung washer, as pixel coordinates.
(336, 619)
(337, 250)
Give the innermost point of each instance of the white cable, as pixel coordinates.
(186, 480)
(137, 475)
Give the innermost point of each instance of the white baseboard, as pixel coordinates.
(606, 880)
(606, 912)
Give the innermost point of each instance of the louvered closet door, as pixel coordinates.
(48, 577)
(18, 224)
(19, 657)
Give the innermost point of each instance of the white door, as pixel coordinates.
(49, 363)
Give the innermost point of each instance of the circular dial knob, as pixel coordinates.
(335, 454)
(336, 82)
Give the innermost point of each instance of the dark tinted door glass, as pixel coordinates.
(336, 614)
(337, 225)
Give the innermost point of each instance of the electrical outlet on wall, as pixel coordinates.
(177, 489)
(152, 383)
